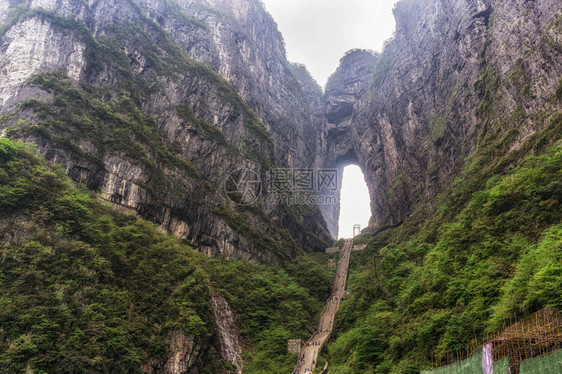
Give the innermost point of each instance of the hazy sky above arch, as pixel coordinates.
(355, 203)
(317, 33)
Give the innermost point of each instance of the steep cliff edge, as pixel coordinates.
(241, 42)
(349, 83)
(460, 137)
(106, 91)
(212, 86)
(156, 103)
(460, 78)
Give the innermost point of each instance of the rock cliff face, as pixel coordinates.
(228, 334)
(214, 88)
(174, 97)
(350, 82)
(460, 78)
(239, 40)
(186, 356)
(155, 103)
(190, 355)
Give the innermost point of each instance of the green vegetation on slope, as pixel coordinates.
(440, 284)
(274, 305)
(134, 73)
(163, 57)
(113, 125)
(84, 287)
(116, 125)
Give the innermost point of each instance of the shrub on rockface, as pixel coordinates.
(7, 149)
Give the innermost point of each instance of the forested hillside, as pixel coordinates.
(86, 287)
(490, 249)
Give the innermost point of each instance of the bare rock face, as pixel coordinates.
(240, 41)
(210, 83)
(348, 84)
(345, 87)
(459, 77)
(185, 356)
(37, 52)
(227, 334)
(214, 88)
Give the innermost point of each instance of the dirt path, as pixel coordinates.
(309, 354)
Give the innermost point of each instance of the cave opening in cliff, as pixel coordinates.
(355, 201)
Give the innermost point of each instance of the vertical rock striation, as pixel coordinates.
(155, 103)
(213, 77)
(460, 78)
(186, 356)
(227, 333)
(210, 84)
(350, 82)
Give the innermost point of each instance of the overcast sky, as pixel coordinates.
(355, 202)
(317, 33)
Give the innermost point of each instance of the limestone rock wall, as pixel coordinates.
(222, 63)
(457, 77)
